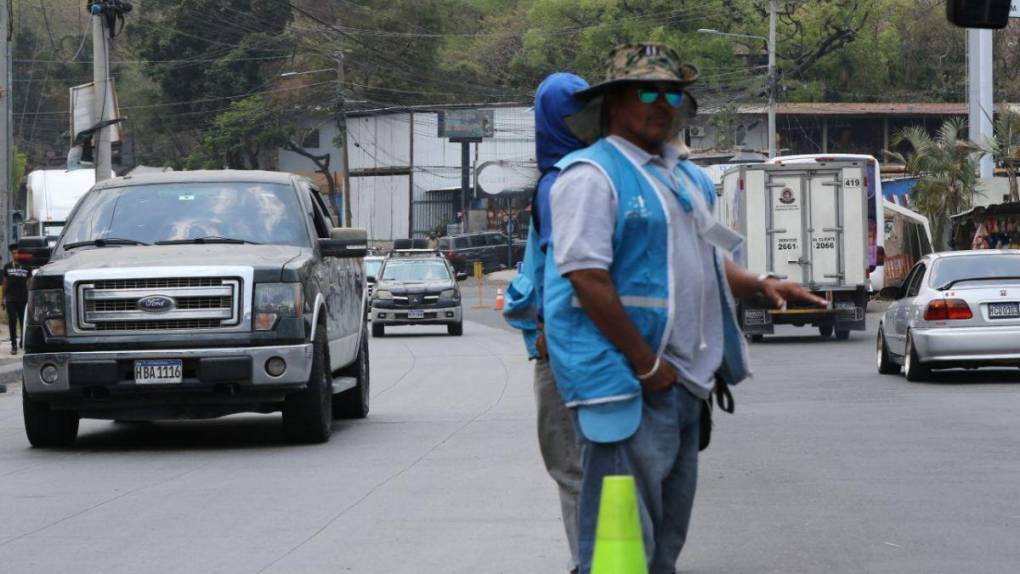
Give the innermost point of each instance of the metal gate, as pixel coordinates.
(433, 215)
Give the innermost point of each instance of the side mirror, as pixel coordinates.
(33, 251)
(891, 293)
(461, 276)
(345, 242)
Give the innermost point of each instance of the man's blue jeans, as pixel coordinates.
(662, 456)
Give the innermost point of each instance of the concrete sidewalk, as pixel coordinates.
(10, 365)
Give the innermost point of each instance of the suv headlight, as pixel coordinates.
(449, 294)
(276, 300)
(382, 295)
(46, 307)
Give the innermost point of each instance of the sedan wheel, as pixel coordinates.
(886, 366)
(913, 368)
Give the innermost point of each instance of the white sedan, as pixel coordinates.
(955, 309)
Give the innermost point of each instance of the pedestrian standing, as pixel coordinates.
(554, 101)
(638, 302)
(15, 287)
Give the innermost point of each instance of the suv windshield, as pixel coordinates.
(243, 211)
(415, 271)
(988, 266)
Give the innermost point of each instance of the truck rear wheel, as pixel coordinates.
(353, 403)
(47, 428)
(308, 414)
(825, 331)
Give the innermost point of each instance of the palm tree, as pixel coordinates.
(947, 167)
(1005, 148)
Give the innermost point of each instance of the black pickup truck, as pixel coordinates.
(197, 295)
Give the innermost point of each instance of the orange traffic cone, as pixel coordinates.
(500, 300)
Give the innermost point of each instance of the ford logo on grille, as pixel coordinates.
(156, 304)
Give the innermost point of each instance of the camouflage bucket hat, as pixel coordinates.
(632, 63)
(648, 62)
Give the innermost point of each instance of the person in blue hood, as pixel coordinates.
(554, 102)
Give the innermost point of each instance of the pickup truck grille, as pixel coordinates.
(190, 303)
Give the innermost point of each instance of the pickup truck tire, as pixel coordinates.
(842, 334)
(455, 329)
(45, 427)
(353, 403)
(308, 414)
(378, 330)
(825, 331)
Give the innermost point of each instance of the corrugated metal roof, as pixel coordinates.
(861, 109)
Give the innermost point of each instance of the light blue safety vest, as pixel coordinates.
(588, 368)
(523, 303)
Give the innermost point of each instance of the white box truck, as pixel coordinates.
(807, 222)
(52, 193)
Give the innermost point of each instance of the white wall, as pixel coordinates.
(295, 163)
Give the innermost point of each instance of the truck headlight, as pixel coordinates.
(46, 307)
(449, 294)
(382, 295)
(276, 300)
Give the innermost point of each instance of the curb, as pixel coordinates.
(10, 373)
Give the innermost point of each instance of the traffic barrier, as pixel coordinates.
(500, 300)
(619, 546)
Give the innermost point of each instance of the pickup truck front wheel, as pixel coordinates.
(308, 414)
(353, 403)
(47, 428)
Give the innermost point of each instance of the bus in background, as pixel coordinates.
(876, 205)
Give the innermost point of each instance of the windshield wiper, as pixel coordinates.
(950, 285)
(103, 242)
(209, 239)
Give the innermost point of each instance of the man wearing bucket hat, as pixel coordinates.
(638, 299)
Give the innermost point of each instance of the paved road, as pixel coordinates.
(826, 466)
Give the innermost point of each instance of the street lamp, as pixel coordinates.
(292, 74)
(771, 43)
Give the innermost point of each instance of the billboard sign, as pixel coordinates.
(467, 125)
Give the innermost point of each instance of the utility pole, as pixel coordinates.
(979, 93)
(101, 91)
(773, 15)
(6, 190)
(341, 126)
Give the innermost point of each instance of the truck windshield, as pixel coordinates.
(415, 271)
(244, 211)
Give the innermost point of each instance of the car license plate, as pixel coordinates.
(162, 372)
(1003, 310)
(416, 314)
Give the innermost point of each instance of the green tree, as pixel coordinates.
(947, 167)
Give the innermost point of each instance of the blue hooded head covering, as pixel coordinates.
(554, 101)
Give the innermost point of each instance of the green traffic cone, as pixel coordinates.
(619, 546)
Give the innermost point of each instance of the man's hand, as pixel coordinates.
(543, 351)
(662, 380)
(779, 292)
